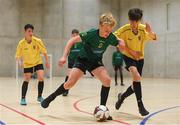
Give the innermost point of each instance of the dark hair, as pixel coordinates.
(75, 31)
(135, 14)
(27, 26)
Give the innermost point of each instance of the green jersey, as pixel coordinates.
(75, 49)
(117, 59)
(94, 46)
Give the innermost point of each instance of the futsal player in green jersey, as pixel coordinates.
(95, 43)
(117, 61)
(75, 49)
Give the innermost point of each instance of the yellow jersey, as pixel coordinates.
(30, 52)
(134, 42)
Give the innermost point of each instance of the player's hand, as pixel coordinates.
(47, 65)
(150, 32)
(122, 45)
(21, 65)
(136, 55)
(148, 28)
(62, 61)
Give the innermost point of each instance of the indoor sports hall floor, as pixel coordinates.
(161, 98)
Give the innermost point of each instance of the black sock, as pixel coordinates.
(138, 92)
(66, 78)
(24, 89)
(128, 92)
(121, 75)
(115, 77)
(59, 91)
(40, 88)
(104, 95)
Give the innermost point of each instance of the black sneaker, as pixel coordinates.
(45, 103)
(110, 118)
(119, 102)
(122, 84)
(142, 110)
(65, 93)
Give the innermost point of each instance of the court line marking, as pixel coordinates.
(75, 105)
(20, 113)
(143, 122)
(2, 123)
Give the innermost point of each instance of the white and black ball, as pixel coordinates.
(101, 113)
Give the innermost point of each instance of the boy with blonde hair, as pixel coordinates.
(95, 43)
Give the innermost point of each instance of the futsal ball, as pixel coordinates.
(101, 113)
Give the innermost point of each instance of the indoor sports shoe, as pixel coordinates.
(122, 84)
(45, 103)
(65, 93)
(110, 118)
(142, 109)
(40, 99)
(23, 101)
(119, 102)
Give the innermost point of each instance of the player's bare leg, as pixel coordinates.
(74, 76)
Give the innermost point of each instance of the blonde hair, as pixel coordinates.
(107, 18)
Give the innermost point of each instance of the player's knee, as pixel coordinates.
(107, 81)
(41, 78)
(137, 77)
(69, 84)
(27, 78)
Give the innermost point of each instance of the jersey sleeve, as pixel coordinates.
(18, 50)
(42, 46)
(86, 35)
(83, 36)
(114, 40)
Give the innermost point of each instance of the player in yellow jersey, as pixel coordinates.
(135, 36)
(28, 56)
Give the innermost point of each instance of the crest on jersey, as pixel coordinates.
(100, 45)
(139, 38)
(34, 47)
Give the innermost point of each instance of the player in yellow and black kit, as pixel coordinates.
(28, 51)
(135, 36)
(75, 49)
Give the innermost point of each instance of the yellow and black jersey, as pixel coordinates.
(30, 52)
(133, 41)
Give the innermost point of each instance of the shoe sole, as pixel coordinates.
(144, 114)
(23, 104)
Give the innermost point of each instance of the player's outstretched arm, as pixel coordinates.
(151, 34)
(19, 60)
(67, 48)
(47, 60)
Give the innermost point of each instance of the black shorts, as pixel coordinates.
(131, 62)
(34, 68)
(71, 63)
(83, 64)
(116, 67)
